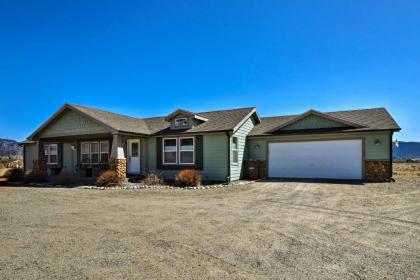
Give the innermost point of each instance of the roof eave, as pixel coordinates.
(326, 132)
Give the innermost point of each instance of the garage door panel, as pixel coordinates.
(317, 159)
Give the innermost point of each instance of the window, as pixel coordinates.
(186, 150)
(235, 150)
(181, 122)
(51, 153)
(134, 149)
(104, 151)
(169, 150)
(94, 152)
(85, 152)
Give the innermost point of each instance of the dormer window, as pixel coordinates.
(181, 122)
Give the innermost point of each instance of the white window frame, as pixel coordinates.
(100, 150)
(235, 150)
(176, 151)
(47, 152)
(182, 125)
(82, 153)
(179, 151)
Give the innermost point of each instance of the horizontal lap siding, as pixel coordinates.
(215, 157)
(241, 133)
(258, 145)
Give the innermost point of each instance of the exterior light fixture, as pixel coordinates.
(378, 142)
(257, 146)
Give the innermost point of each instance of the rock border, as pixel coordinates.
(140, 186)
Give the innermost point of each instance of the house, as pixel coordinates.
(336, 145)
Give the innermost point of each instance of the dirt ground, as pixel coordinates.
(407, 170)
(264, 230)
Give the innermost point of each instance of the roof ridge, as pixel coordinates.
(105, 111)
(235, 109)
(113, 113)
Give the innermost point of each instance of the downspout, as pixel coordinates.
(228, 134)
(391, 155)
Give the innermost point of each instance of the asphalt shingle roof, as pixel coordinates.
(223, 120)
(371, 119)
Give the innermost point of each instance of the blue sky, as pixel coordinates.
(147, 58)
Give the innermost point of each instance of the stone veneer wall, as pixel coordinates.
(377, 170)
(120, 166)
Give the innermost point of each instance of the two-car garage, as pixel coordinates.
(339, 159)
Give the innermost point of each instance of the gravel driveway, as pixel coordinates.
(265, 230)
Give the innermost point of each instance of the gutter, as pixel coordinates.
(321, 133)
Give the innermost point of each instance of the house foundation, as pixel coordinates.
(378, 170)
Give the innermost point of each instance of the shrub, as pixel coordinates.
(17, 175)
(154, 179)
(108, 179)
(35, 177)
(64, 178)
(188, 178)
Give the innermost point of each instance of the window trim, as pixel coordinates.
(89, 153)
(180, 126)
(100, 150)
(176, 151)
(82, 153)
(49, 153)
(235, 150)
(193, 151)
(98, 153)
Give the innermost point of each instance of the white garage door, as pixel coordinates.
(318, 159)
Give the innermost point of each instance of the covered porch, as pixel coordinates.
(88, 155)
(85, 142)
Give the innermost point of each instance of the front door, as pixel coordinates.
(133, 156)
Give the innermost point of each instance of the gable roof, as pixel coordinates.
(360, 120)
(186, 113)
(223, 120)
(319, 114)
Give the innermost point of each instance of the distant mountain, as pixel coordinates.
(10, 148)
(406, 150)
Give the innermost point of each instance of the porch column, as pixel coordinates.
(118, 161)
(39, 163)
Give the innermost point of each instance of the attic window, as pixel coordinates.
(181, 122)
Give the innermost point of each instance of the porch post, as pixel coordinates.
(118, 161)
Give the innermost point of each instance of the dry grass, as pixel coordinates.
(266, 230)
(407, 170)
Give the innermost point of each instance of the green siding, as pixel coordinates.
(215, 158)
(236, 169)
(372, 151)
(313, 122)
(72, 123)
(31, 153)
